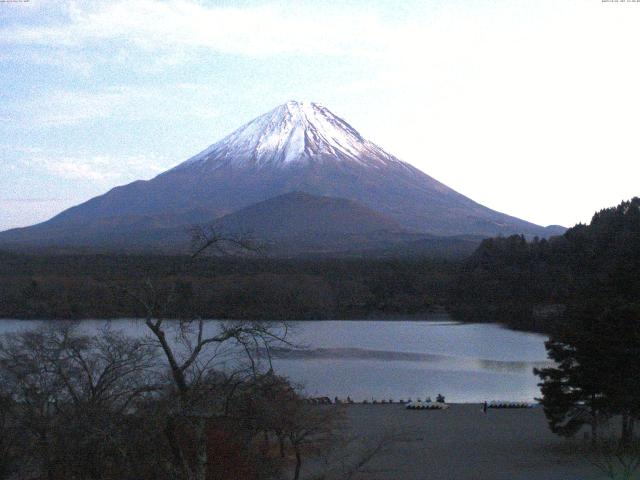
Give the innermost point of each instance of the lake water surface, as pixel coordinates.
(398, 359)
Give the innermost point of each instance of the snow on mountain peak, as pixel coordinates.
(292, 133)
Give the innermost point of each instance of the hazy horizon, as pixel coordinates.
(529, 109)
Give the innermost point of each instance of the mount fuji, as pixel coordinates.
(296, 147)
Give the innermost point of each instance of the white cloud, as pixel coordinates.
(177, 24)
(61, 108)
(75, 62)
(43, 182)
(67, 107)
(103, 169)
(24, 212)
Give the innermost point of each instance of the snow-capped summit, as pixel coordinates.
(292, 133)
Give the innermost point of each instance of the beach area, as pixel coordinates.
(463, 443)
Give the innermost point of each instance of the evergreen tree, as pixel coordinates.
(597, 350)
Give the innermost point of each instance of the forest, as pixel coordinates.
(530, 284)
(99, 286)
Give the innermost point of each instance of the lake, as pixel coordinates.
(398, 359)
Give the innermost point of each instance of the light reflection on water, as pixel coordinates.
(398, 359)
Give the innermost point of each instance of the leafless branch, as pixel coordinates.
(207, 238)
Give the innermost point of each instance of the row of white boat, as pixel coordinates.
(419, 405)
(495, 404)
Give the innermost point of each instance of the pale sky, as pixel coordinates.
(530, 107)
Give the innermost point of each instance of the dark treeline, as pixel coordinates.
(529, 284)
(524, 284)
(95, 286)
(596, 342)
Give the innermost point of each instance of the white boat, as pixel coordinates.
(419, 405)
(502, 404)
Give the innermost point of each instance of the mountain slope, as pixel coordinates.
(289, 225)
(309, 217)
(295, 223)
(297, 147)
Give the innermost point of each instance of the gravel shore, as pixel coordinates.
(463, 443)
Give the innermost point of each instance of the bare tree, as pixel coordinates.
(191, 355)
(206, 238)
(28, 374)
(351, 455)
(9, 434)
(191, 351)
(309, 427)
(72, 393)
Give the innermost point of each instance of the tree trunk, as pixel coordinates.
(625, 437)
(296, 475)
(201, 449)
(594, 422)
(281, 443)
(179, 461)
(265, 436)
(44, 440)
